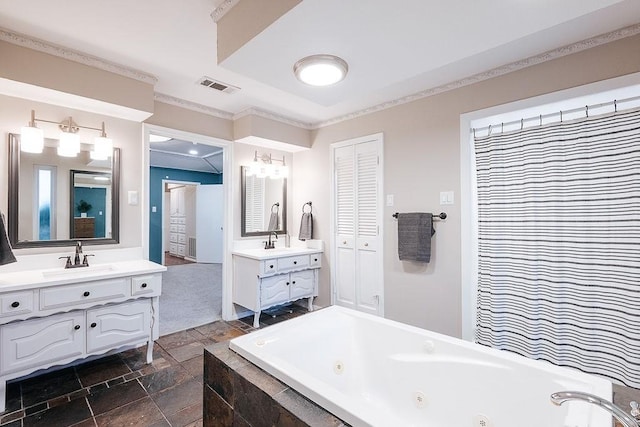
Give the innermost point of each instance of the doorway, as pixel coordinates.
(186, 230)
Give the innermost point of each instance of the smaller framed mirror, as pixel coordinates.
(90, 202)
(264, 204)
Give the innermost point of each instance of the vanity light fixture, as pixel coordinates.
(321, 70)
(32, 139)
(102, 146)
(267, 168)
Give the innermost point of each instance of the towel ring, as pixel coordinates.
(275, 205)
(310, 207)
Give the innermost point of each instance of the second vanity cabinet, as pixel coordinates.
(264, 279)
(54, 321)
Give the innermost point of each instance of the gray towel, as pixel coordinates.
(414, 236)
(273, 222)
(306, 226)
(6, 254)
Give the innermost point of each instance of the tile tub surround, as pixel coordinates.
(237, 393)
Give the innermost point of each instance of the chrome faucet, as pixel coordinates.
(560, 397)
(271, 244)
(76, 259)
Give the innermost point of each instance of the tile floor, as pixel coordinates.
(122, 390)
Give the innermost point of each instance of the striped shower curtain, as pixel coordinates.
(559, 244)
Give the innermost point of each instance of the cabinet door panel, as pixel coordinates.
(274, 290)
(302, 284)
(41, 342)
(116, 325)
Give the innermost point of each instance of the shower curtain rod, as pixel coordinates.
(541, 117)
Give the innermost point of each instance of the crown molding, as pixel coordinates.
(222, 9)
(183, 103)
(495, 72)
(74, 55)
(272, 116)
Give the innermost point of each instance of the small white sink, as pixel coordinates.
(78, 271)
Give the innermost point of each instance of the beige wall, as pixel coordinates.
(40, 69)
(126, 135)
(422, 158)
(173, 117)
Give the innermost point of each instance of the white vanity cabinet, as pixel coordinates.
(263, 279)
(54, 321)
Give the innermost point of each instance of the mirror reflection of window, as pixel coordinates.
(44, 216)
(255, 213)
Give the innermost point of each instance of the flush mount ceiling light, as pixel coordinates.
(158, 138)
(320, 70)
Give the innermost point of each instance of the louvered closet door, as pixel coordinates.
(358, 194)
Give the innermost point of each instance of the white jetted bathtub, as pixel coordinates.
(372, 371)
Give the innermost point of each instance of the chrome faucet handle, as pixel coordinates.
(68, 263)
(635, 409)
(85, 261)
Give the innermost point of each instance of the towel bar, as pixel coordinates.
(441, 215)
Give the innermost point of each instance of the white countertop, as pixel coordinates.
(262, 254)
(37, 278)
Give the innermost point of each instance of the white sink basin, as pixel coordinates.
(78, 271)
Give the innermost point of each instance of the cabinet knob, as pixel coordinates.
(15, 304)
(86, 293)
(144, 285)
(315, 259)
(287, 283)
(271, 266)
(295, 262)
(94, 324)
(294, 282)
(366, 244)
(76, 327)
(344, 242)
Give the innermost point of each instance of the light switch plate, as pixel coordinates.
(389, 199)
(133, 197)
(446, 197)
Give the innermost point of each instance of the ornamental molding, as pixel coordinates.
(273, 116)
(495, 72)
(183, 103)
(222, 9)
(74, 55)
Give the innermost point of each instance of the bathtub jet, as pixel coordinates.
(371, 371)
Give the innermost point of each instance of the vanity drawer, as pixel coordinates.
(182, 220)
(83, 293)
(173, 228)
(16, 303)
(315, 260)
(182, 238)
(173, 237)
(173, 220)
(293, 262)
(182, 228)
(173, 248)
(148, 284)
(269, 266)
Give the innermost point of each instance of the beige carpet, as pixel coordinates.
(191, 296)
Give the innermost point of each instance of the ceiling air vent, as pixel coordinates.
(217, 85)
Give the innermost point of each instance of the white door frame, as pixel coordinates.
(227, 185)
(380, 215)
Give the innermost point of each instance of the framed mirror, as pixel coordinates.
(264, 204)
(46, 192)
